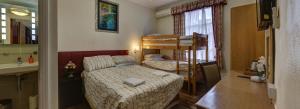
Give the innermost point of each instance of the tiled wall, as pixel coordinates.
(10, 53)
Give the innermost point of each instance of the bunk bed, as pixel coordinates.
(189, 67)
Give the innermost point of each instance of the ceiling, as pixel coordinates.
(153, 3)
(25, 3)
(33, 2)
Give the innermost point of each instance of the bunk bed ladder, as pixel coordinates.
(189, 69)
(177, 54)
(194, 64)
(142, 51)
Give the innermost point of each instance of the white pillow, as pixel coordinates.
(153, 56)
(97, 62)
(125, 64)
(123, 59)
(154, 59)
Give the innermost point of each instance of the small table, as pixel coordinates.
(233, 92)
(70, 92)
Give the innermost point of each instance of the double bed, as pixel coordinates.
(105, 88)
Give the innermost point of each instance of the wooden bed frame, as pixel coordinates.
(199, 42)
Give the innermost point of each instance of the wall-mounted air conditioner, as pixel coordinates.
(163, 13)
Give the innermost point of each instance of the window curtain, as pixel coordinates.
(179, 24)
(200, 21)
(198, 4)
(217, 15)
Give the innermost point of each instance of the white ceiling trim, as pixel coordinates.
(153, 4)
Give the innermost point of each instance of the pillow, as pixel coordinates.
(153, 56)
(97, 62)
(123, 59)
(125, 64)
(154, 59)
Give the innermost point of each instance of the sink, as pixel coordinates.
(18, 69)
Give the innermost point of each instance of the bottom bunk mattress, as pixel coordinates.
(105, 88)
(167, 65)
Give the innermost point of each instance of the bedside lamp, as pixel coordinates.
(136, 49)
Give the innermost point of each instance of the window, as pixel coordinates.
(200, 21)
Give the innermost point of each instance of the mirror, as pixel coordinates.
(18, 25)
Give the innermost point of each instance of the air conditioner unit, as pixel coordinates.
(163, 13)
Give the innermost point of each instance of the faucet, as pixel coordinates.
(19, 60)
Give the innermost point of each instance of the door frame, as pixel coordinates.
(48, 76)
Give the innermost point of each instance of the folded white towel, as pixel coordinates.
(161, 73)
(133, 82)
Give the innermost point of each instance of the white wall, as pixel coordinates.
(69, 25)
(287, 63)
(165, 25)
(77, 31)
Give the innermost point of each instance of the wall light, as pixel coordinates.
(33, 26)
(3, 17)
(33, 14)
(3, 30)
(3, 10)
(3, 24)
(136, 49)
(4, 36)
(19, 12)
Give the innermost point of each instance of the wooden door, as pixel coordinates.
(246, 42)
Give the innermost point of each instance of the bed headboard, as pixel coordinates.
(77, 58)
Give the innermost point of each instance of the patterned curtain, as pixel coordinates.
(179, 23)
(217, 11)
(196, 5)
(217, 5)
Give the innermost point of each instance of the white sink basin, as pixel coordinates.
(16, 69)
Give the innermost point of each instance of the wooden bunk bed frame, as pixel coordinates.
(199, 42)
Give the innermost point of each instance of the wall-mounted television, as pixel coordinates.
(264, 13)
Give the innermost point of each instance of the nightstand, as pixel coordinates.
(70, 92)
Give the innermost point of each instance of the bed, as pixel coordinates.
(170, 66)
(167, 65)
(179, 44)
(160, 41)
(104, 88)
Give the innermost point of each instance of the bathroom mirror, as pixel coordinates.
(18, 25)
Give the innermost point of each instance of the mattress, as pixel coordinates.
(184, 41)
(168, 65)
(105, 88)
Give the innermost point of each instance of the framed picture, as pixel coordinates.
(107, 16)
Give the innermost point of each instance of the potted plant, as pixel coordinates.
(70, 69)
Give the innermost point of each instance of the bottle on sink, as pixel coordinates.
(30, 59)
(19, 60)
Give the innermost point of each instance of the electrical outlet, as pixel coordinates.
(272, 92)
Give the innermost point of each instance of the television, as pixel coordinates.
(264, 13)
